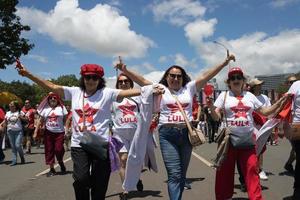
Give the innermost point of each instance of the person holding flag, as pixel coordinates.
(237, 106)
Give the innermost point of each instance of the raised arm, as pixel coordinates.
(135, 77)
(58, 89)
(209, 74)
(157, 90)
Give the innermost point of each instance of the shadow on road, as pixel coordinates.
(288, 198)
(136, 194)
(191, 180)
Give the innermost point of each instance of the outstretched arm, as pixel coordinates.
(135, 77)
(209, 74)
(275, 108)
(58, 89)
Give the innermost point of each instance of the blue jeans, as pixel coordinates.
(176, 152)
(15, 139)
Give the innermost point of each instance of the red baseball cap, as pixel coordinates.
(235, 70)
(91, 69)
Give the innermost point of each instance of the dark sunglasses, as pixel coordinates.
(52, 98)
(93, 77)
(236, 77)
(291, 82)
(178, 76)
(125, 81)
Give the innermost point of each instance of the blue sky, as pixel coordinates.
(152, 35)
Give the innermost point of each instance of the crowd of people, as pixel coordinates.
(118, 114)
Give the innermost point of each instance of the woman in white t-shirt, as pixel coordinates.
(91, 104)
(52, 115)
(13, 125)
(173, 133)
(237, 106)
(124, 124)
(295, 89)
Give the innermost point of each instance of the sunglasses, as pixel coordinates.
(125, 81)
(291, 82)
(52, 98)
(236, 77)
(178, 76)
(89, 77)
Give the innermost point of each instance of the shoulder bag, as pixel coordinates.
(196, 136)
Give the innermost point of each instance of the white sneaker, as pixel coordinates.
(263, 176)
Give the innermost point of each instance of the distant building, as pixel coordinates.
(271, 83)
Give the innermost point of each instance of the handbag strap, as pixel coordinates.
(83, 113)
(183, 114)
(225, 109)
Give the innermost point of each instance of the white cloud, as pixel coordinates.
(199, 29)
(257, 53)
(39, 58)
(181, 60)
(177, 12)
(101, 30)
(282, 3)
(163, 59)
(114, 2)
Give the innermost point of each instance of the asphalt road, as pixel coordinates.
(28, 182)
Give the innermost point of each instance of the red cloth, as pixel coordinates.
(29, 113)
(195, 108)
(258, 118)
(91, 69)
(2, 115)
(225, 174)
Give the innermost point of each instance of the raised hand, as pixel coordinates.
(158, 90)
(21, 69)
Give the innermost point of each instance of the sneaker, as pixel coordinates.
(51, 172)
(13, 163)
(123, 196)
(263, 176)
(140, 186)
(289, 167)
(187, 186)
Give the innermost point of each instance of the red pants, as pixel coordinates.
(225, 174)
(54, 146)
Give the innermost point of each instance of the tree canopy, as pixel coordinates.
(12, 45)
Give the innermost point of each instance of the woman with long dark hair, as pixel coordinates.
(173, 133)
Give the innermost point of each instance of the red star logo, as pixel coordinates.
(240, 110)
(89, 113)
(127, 108)
(52, 117)
(174, 107)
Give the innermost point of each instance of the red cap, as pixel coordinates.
(235, 70)
(91, 69)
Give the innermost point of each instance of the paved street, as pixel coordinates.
(27, 182)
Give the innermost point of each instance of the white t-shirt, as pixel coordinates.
(124, 114)
(54, 119)
(264, 100)
(13, 120)
(239, 110)
(169, 110)
(97, 111)
(295, 89)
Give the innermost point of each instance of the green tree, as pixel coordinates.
(12, 45)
